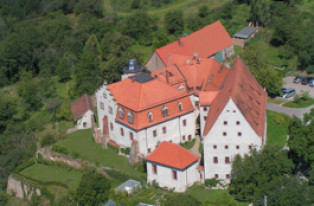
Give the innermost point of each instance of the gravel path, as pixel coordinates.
(194, 149)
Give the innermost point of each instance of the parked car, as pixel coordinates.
(311, 82)
(297, 80)
(286, 93)
(305, 80)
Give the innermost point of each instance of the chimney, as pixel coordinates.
(198, 61)
(194, 55)
(167, 76)
(179, 42)
(187, 61)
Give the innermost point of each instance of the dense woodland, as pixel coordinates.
(53, 51)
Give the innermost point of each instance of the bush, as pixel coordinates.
(116, 149)
(3, 198)
(25, 165)
(211, 182)
(118, 175)
(47, 140)
(60, 149)
(126, 150)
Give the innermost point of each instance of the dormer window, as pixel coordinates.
(164, 111)
(150, 117)
(130, 117)
(121, 113)
(181, 88)
(180, 107)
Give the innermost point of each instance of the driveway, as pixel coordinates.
(299, 88)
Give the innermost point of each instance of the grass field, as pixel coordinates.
(82, 142)
(189, 144)
(302, 104)
(48, 174)
(277, 128)
(202, 194)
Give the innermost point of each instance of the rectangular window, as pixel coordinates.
(216, 176)
(197, 104)
(155, 133)
(205, 109)
(154, 169)
(224, 133)
(184, 122)
(226, 147)
(250, 147)
(174, 174)
(105, 95)
(225, 123)
(110, 110)
(121, 132)
(238, 147)
(111, 126)
(183, 138)
(239, 134)
(102, 106)
(131, 136)
(227, 160)
(238, 122)
(215, 160)
(164, 130)
(215, 146)
(149, 150)
(165, 113)
(205, 118)
(227, 176)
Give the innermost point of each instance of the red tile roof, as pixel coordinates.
(207, 97)
(149, 97)
(199, 73)
(81, 106)
(241, 86)
(172, 155)
(205, 42)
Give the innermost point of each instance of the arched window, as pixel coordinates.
(164, 111)
(130, 117)
(150, 117)
(180, 107)
(121, 113)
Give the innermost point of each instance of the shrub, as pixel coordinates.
(118, 175)
(126, 150)
(3, 198)
(47, 140)
(59, 149)
(116, 149)
(25, 165)
(211, 182)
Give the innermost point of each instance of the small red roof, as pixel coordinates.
(81, 106)
(172, 155)
(205, 42)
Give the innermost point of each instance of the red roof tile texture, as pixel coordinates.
(140, 99)
(205, 42)
(250, 98)
(172, 155)
(81, 106)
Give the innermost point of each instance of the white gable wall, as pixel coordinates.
(164, 176)
(203, 115)
(231, 114)
(86, 120)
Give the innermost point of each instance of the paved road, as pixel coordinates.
(289, 111)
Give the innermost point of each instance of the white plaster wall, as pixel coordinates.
(154, 63)
(231, 114)
(193, 99)
(86, 118)
(108, 101)
(175, 132)
(185, 178)
(202, 121)
(229, 49)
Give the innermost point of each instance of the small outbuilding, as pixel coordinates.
(83, 112)
(244, 35)
(172, 167)
(128, 186)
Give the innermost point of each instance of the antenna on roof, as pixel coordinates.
(198, 61)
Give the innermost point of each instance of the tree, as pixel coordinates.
(7, 110)
(301, 143)
(139, 26)
(260, 12)
(161, 39)
(174, 22)
(64, 70)
(252, 173)
(93, 189)
(3, 198)
(203, 11)
(180, 200)
(136, 4)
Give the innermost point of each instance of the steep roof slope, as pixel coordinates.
(172, 155)
(81, 106)
(241, 86)
(205, 42)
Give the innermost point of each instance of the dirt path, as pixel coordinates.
(298, 112)
(194, 149)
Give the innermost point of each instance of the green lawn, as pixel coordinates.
(302, 104)
(202, 194)
(48, 174)
(277, 128)
(82, 142)
(275, 100)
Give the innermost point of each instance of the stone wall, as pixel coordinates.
(20, 189)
